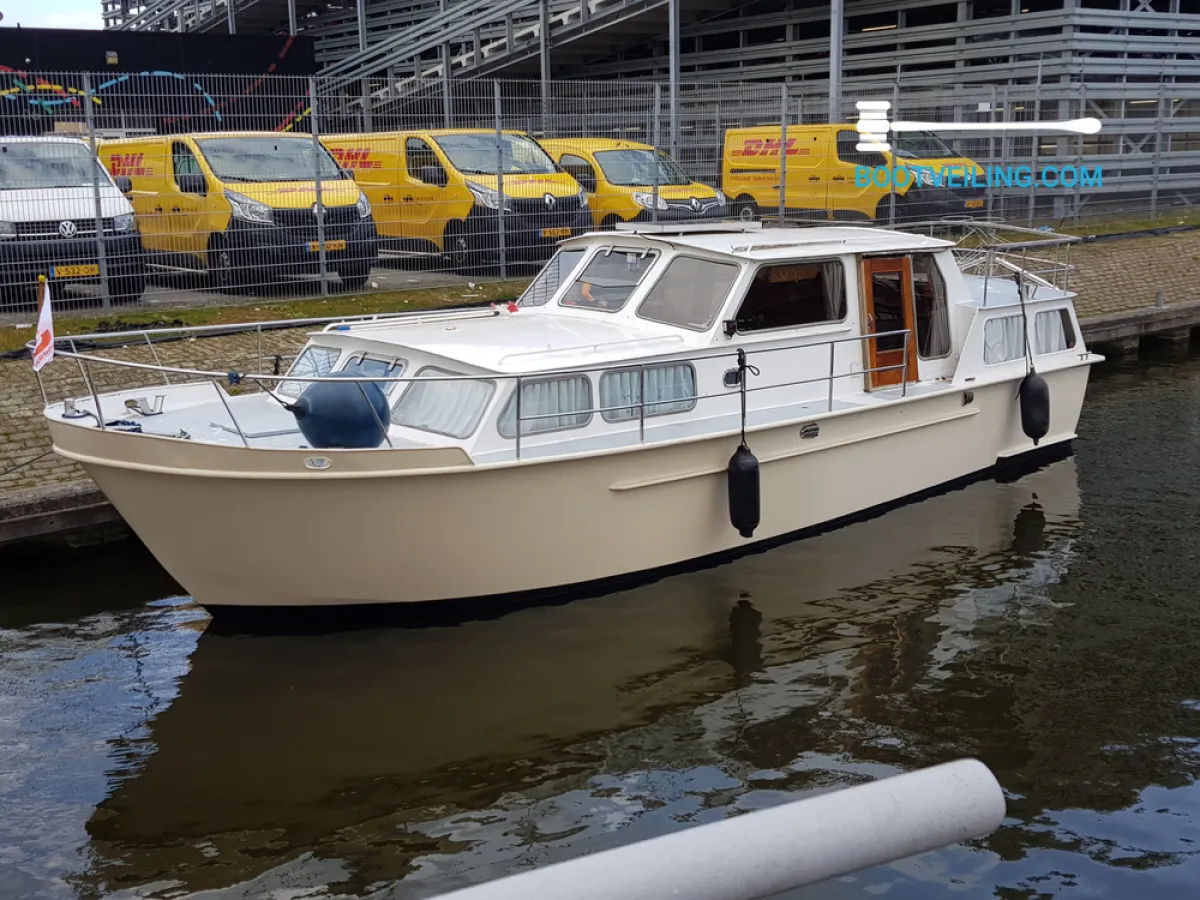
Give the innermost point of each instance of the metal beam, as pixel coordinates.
(292, 17)
(231, 15)
(836, 26)
(673, 70)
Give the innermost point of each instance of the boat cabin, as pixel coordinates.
(662, 333)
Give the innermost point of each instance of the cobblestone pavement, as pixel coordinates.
(1112, 276)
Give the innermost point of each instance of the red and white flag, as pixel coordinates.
(43, 350)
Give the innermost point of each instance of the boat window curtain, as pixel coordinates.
(834, 279)
(669, 389)
(564, 402)
(452, 408)
(1003, 339)
(1049, 335)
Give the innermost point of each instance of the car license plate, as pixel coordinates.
(556, 232)
(315, 246)
(80, 271)
(974, 204)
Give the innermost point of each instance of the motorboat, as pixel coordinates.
(660, 396)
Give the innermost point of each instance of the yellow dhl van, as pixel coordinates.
(619, 178)
(243, 206)
(437, 191)
(828, 177)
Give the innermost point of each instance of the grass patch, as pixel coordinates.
(13, 338)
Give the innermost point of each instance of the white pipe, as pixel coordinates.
(763, 853)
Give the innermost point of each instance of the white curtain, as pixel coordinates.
(1003, 339)
(564, 402)
(834, 279)
(1048, 333)
(444, 407)
(938, 342)
(669, 389)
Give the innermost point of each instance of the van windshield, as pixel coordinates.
(478, 154)
(48, 165)
(921, 145)
(636, 167)
(263, 159)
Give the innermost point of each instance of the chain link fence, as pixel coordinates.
(209, 188)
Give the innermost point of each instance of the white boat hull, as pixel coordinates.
(241, 527)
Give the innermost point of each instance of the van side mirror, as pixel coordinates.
(124, 184)
(586, 180)
(192, 183)
(348, 173)
(434, 175)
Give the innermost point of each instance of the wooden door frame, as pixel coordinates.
(903, 266)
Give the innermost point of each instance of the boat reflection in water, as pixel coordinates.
(450, 755)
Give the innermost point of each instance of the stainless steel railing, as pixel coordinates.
(265, 381)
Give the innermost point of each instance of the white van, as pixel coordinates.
(48, 220)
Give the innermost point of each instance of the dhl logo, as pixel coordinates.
(129, 164)
(355, 158)
(769, 147)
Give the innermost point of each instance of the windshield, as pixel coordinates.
(636, 167)
(263, 159)
(48, 165)
(921, 145)
(477, 154)
(609, 279)
(542, 288)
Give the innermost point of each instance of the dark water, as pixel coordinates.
(1048, 626)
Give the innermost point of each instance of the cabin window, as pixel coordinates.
(450, 408)
(561, 266)
(1053, 331)
(609, 279)
(313, 362)
(361, 365)
(1003, 339)
(690, 294)
(669, 389)
(933, 314)
(794, 294)
(550, 404)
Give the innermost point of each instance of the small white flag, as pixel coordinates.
(43, 350)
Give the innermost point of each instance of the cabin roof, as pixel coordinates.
(524, 341)
(776, 243)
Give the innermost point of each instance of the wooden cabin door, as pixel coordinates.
(888, 307)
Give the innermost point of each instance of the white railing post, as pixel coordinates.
(764, 853)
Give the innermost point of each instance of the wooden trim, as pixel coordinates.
(903, 266)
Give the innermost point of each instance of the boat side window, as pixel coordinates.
(1053, 331)
(794, 294)
(561, 266)
(360, 364)
(450, 408)
(933, 315)
(1003, 339)
(548, 404)
(669, 389)
(690, 294)
(313, 362)
(609, 279)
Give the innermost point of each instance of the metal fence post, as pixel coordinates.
(101, 255)
(991, 150)
(500, 180)
(1035, 141)
(319, 206)
(783, 147)
(892, 158)
(1159, 124)
(654, 152)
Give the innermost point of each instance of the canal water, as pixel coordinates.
(1049, 626)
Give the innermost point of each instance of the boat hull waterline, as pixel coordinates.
(241, 527)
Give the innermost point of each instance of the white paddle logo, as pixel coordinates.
(874, 127)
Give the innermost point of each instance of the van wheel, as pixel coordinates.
(746, 209)
(223, 270)
(354, 278)
(128, 290)
(610, 222)
(457, 244)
